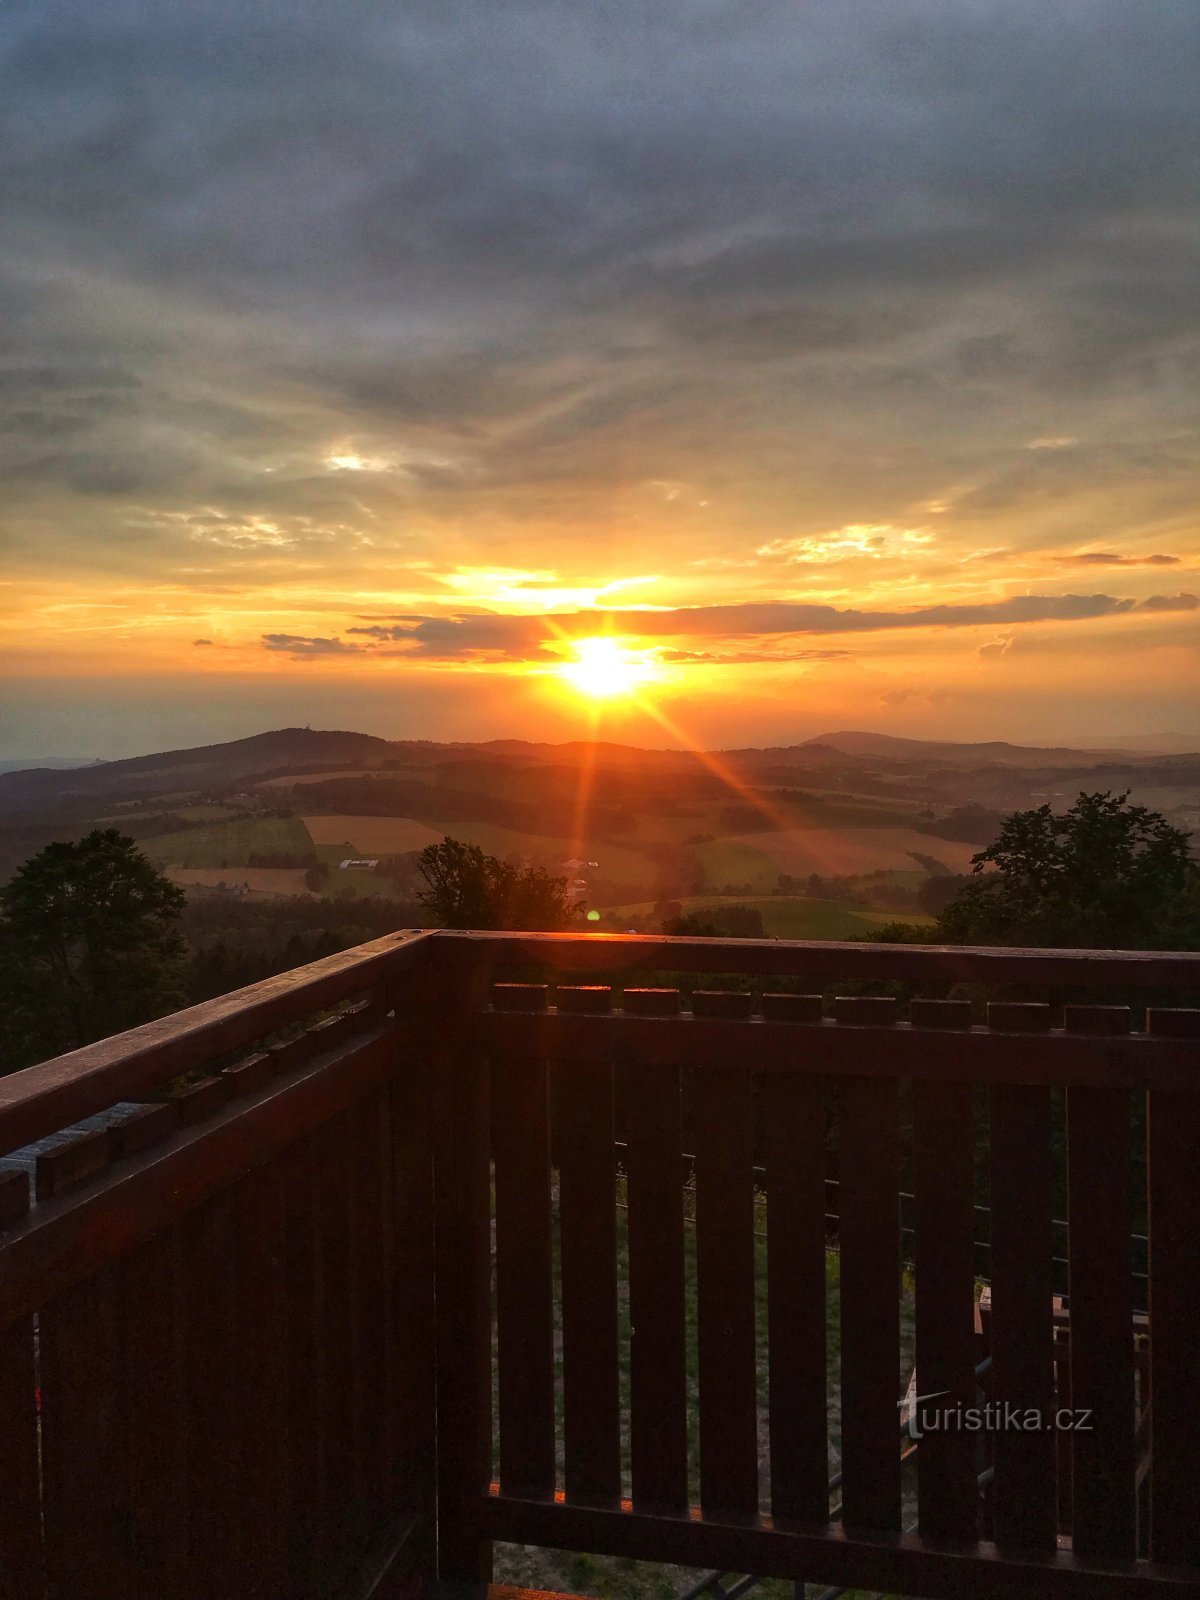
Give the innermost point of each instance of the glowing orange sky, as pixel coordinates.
(349, 383)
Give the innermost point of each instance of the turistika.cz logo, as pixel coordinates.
(997, 1416)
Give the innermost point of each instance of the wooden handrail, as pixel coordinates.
(49, 1096)
(849, 960)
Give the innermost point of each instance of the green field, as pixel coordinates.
(230, 843)
(793, 916)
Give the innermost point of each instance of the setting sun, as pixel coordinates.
(603, 669)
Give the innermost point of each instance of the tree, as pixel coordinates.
(87, 946)
(1104, 875)
(466, 888)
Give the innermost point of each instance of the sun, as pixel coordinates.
(603, 669)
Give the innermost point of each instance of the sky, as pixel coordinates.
(839, 364)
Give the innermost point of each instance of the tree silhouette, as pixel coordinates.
(466, 888)
(87, 946)
(1104, 875)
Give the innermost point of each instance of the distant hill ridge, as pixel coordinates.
(281, 751)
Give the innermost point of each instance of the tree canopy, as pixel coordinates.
(87, 946)
(1103, 875)
(466, 888)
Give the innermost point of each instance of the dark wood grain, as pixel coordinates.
(845, 1049)
(259, 1376)
(413, 1373)
(524, 1275)
(68, 1238)
(898, 1564)
(302, 1448)
(583, 1141)
(84, 1442)
(794, 1123)
(813, 958)
(1022, 1312)
(869, 1231)
(1173, 1169)
(153, 1379)
(723, 1108)
(459, 1078)
(211, 1414)
(21, 1556)
(943, 1152)
(1101, 1285)
(649, 1095)
(42, 1099)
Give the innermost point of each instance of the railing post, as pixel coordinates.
(462, 1227)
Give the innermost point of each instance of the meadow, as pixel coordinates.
(230, 843)
(789, 916)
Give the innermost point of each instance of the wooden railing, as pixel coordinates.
(246, 1319)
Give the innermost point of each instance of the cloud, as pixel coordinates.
(297, 298)
(996, 649)
(197, 642)
(874, 540)
(1111, 558)
(304, 648)
(497, 636)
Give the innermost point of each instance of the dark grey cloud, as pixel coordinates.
(1113, 558)
(304, 648)
(567, 247)
(508, 636)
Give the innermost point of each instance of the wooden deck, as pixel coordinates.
(323, 1288)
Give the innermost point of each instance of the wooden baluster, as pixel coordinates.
(943, 1160)
(524, 1266)
(1022, 1294)
(869, 1229)
(1173, 1171)
(22, 1563)
(84, 1442)
(460, 1084)
(304, 1311)
(259, 1375)
(1103, 1519)
(368, 1388)
(794, 1123)
(583, 1141)
(650, 1094)
(723, 1102)
(412, 1443)
(208, 1266)
(335, 1155)
(155, 1404)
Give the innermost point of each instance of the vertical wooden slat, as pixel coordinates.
(84, 1442)
(155, 1402)
(794, 1120)
(649, 1095)
(945, 1301)
(208, 1265)
(869, 1227)
(583, 1139)
(335, 1340)
(21, 1556)
(1022, 1312)
(304, 1445)
(367, 1385)
(1101, 1268)
(1173, 1170)
(462, 1197)
(260, 1379)
(723, 1106)
(524, 1275)
(413, 1380)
